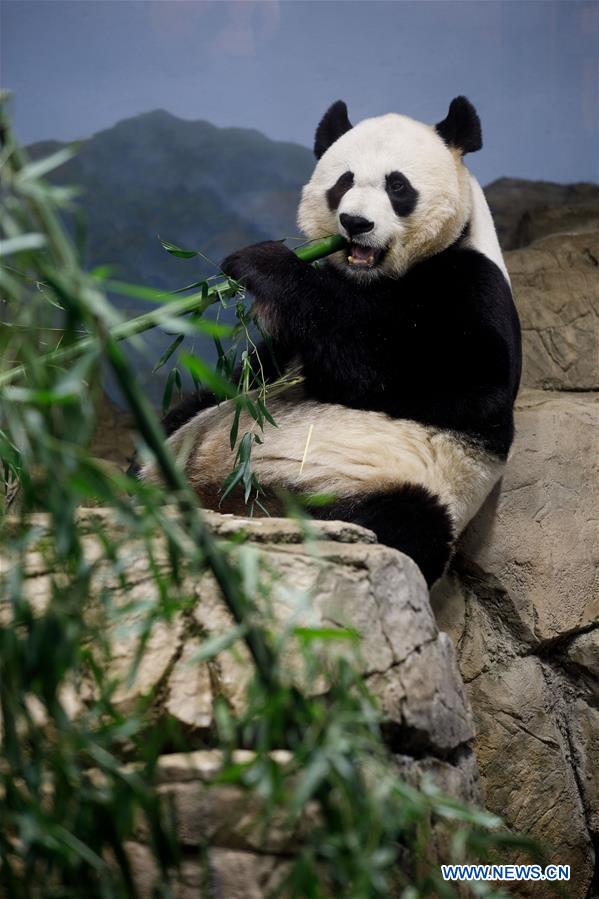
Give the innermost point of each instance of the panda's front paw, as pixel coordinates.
(253, 264)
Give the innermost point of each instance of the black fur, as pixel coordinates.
(461, 126)
(409, 518)
(186, 410)
(339, 188)
(402, 193)
(333, 124)
(441, 345)
(177, 417)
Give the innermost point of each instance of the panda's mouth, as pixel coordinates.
(362, 256)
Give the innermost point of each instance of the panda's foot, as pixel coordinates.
(409, 518)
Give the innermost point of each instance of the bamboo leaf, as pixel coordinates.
(173, 380)
(235, 426)
(266, 413)
(41, 397)
(193, 286)
(214, 329)
(41, 167)
(133, 290)
(217, 644)
(21, 243)
(310, 780)
(245, 448)
(207, 375)
(309, 634)
(231, 482)
(168, 352)
(174, 250)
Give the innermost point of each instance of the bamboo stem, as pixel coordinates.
(197, 302)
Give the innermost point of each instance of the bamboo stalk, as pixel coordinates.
(197, 302)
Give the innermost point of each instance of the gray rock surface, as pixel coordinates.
(521, 602)
(571, 218)
(556, 288)
(376, 591)
(339, 578)
(536, 537)
(513, 200)
(521, 599)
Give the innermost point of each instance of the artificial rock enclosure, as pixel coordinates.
(491, 684)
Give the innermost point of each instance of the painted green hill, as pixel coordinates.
(196, 185)
(213, 189)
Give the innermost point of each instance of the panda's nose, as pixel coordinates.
(355, 224)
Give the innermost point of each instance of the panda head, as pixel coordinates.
(397, 189)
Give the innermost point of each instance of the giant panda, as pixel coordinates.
(408, 341)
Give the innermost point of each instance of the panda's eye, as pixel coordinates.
(397, 185)
(403, 196)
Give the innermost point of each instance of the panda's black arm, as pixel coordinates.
(290, 295)
(323, 318)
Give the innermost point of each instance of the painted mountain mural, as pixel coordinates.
(201, 187)
(212, 189)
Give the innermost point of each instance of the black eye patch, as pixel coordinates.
(401, 193)
(340, 187)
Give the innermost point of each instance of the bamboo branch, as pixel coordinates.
(197, 303)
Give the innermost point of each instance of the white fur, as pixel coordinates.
(482, 235)
(351, 453)
(371, 150)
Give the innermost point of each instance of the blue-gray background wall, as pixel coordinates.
(81, 68)
(531, 68)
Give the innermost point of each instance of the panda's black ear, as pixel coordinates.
(333, 124)
(461, 127)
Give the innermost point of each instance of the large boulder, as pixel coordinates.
(521, 601)
(339, 578)
(556, 289)
(342, 580)
(536, 536)
(568, 219)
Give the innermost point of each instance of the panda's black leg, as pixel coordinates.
(409, 518)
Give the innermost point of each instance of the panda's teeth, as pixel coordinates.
(352, 261)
